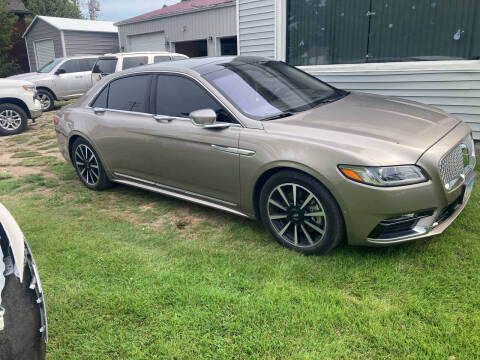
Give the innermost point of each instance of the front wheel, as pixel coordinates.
(46, 99)
(300, 213)
(13, 119)
(88, 166)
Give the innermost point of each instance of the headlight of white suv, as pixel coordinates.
(384, 175)
(30, 88)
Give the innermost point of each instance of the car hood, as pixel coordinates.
(31, 76)
(383, 129)
(6, 83)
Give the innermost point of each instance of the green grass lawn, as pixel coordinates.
(129, 274)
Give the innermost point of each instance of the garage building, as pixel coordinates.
(194, 28)
(49, 37)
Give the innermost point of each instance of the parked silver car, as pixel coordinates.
(61, 79)
(259, 138)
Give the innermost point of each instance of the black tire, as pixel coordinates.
(299, 225)
(13, 119)
(90, 171)
(46, 98)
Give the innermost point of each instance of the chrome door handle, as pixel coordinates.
(98, 110)
(163, 118)
(78, 77)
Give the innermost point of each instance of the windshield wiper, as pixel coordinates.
(278, 116)
(334, 97)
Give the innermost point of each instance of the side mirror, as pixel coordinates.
(203, 117)
(206, 118)
(60, 71)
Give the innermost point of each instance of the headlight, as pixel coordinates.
(30, 88)
(384, 176)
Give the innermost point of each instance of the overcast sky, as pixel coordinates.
(116, 10)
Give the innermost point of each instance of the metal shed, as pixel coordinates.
(194, 28)
(51, 37)
(422, 50)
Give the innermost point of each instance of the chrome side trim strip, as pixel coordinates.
(233, 150)
(180, 196)
(176, 190)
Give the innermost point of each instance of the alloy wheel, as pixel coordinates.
(45, 101)
(10, 120)
(87, 165)
(297, 215)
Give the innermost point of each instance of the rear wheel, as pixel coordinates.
(13, 119)
(88, 166)
(300, 213)
(46, 99)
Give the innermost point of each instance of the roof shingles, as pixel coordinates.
(176, 8)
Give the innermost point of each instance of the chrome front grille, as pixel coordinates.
(457, 162)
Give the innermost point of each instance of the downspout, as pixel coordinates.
(62, 39)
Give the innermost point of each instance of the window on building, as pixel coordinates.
(130, 93)
(345, 31)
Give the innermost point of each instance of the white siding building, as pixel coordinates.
(423, 50)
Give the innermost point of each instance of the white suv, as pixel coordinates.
(18, 103)
(61, 79)
(112, 63)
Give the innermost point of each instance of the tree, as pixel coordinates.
(93, 9)
(60, 8)
(7, 20)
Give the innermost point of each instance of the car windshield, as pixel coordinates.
(49, 66)
(267, 90)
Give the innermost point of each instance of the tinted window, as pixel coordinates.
(105, 66)
(130, 93)
(266, 89)
(101, 100)
(161, 58)
(87, 64)
(134, 61)
(179, 96)
(71, 66)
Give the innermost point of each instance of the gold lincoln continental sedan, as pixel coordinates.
(262, 139)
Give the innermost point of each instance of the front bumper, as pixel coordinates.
(36, 111)
(434, 206)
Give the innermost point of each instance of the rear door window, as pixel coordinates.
(130, 62)
(105, 66)
(130, 93)
(161, 58)
(101, 100)
(87, 64)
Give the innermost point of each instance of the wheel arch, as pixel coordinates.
(49, 90)
(77, 135)
(299, 168)
(17, 102)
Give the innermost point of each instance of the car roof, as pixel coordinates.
(203, 65)
(141, 53)
(77, 57)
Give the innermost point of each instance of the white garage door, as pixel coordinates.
(147, 42)
(44, 52)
